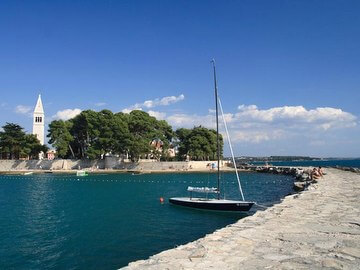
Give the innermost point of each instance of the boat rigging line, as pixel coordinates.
(231, 150)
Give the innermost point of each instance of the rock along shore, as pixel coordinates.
(315, 229)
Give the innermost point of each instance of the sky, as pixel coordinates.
(288, 71)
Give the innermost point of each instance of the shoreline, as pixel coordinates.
(254, 168)
(114, 171)
(318, 228)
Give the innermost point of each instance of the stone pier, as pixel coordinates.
(315, 229)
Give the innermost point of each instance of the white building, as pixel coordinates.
(39, 121)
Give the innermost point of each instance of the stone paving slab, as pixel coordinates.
(316, 229)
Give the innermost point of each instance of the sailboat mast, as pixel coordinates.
(217, 130)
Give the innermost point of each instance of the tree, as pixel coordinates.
(99, 133)
(94, 134)
(181, 142)
(84, 132)
(165, 135)
(14, 143)
(114, 136)
(11, 140)
(122, 135)
(60, 137)
(144, 129)
(199, 143)
(90, 135)
(31, 147)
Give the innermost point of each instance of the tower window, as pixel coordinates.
(38, 119)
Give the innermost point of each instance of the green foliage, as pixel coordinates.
(60, 137)
(15, 144)
(198, 143)
(165, 134)
(98, 133)
(182, 142)
(94, 134)
(31, 147)
(145, 129)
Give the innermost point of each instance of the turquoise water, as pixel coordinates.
(106, 221)
(315, 163)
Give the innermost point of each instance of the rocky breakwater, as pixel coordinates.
(349, 169)
(301, 174)
(315, 229)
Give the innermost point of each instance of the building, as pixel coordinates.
(39, 121)
(51, 154)
(157, 145)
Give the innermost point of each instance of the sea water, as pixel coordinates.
(105, 221)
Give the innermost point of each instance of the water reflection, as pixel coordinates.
(41, 241)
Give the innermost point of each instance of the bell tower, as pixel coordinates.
(38, 121)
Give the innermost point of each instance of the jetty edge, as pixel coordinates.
(318, 228)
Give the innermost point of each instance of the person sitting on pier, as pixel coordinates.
(315, 174)
(320, 171)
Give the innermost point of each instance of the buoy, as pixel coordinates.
(161, 200)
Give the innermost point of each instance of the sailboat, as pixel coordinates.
(218, 203)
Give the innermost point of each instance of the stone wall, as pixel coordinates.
(57, 164)
(109, 163)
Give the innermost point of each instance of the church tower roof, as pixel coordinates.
(39, 107)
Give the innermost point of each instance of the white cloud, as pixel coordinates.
(170, 100)
(126, 110)
(247, 107)
(273, 128)
(100, 104)
(157, 115)
(326, 117)
(254, 126)
(256, 136)
(165, 101)
(251, 118)
(191, 120)
(22, 109)
(291, 116)
(279, 130)
(66, 114)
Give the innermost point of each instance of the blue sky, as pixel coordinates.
(294, 65)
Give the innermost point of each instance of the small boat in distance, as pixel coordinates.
(28, 173)
(216, 204)
(136, 172)
(81, 173)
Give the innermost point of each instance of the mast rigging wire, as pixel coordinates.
(231, 150)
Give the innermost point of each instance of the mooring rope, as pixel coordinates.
(260, 205)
